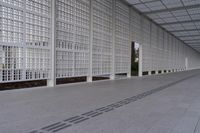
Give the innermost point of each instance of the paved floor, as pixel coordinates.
(168, 103)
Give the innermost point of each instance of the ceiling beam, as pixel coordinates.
(192, 40)
(188, 36)
(191, 43)
(184, 30)
(172, 9)
(180, 22)
(195, 46)
(196, 43)
(144, 2)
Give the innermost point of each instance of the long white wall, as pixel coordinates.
(92, 38)
(24, 40)
(160, 50)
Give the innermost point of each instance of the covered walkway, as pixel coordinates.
(168, 103)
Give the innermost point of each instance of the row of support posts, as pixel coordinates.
(52, 81)
(166, 71)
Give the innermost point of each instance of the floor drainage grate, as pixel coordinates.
(92, 114)
(53, 128)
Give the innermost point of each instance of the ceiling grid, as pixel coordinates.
(179, 17)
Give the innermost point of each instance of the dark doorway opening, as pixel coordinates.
(134, 59)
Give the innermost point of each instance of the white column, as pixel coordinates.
(156, 72)
(140, 61)
(52, 81)
(112, 76)
(162, 71)
(140, 71)
(186, 63)
(130, 44)
(89, 77)
(24, 42)
(149, 72)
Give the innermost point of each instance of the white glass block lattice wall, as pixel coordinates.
(72, 38)
(24, 40)
(102, 37)
(92, 38)
(122, 37)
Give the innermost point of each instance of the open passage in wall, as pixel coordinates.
(135, 59)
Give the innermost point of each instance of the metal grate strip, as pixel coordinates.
(94, 113)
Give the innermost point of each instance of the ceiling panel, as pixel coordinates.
(180, 17)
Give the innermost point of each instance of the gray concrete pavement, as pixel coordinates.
(173, 109)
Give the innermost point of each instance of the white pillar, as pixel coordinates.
(163, 71)
(157, 72)
(52, 81)
(24, 42)
(130, 44)
(149, 72)
(140, 61)
(89, 77)
(186, 63)
(112, 76)
(140, 71)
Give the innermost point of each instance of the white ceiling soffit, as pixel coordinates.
(180, 17)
